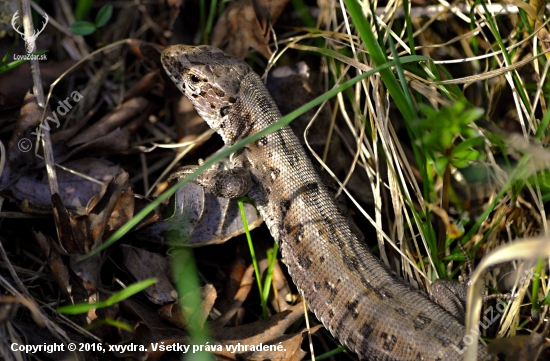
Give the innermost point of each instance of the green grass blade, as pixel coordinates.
(329, 354)
(408, 24)
(272, 258)
(130, 291)
(253, 256)
(8, 53)
(402, 79)
(506, 54)
(210, 20)
(18, 62)
(543, 126)
(110, 322)
(379, 58)
(117, 297)
(188, 287)
(80, 308)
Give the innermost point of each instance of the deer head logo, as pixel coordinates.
(29, 41)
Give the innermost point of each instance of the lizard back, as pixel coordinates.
(357, 298)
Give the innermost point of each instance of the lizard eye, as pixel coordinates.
(194, 78)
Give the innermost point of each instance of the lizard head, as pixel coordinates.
(209, 78)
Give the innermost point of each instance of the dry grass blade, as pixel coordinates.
(490, 74)
(527, 249)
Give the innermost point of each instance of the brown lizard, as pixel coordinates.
(356, 297)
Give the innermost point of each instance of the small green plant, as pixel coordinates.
(447, 139)
(86, 28)
(440, 132)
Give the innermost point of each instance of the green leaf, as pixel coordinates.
(104, 15)
(82, 28)
(466, 154)
(440, 165)
(82, 9)
(460, 163)
(473, 114)
(446, 139)
(467, 144)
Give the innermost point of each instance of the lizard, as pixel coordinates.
(363, 303)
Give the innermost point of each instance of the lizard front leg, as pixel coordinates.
(226, 183)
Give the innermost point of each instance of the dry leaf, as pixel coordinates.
(125, 113)
(149, 329)
(143, 264)
(172, 313)
(245, 24)
(74, 190)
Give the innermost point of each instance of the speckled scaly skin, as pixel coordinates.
(358, 299)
